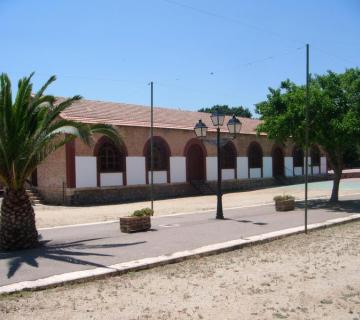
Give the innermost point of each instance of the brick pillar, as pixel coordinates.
(70, 164)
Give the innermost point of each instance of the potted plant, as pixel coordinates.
(284, 203)
(138, 221)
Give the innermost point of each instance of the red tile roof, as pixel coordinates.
(122, 114)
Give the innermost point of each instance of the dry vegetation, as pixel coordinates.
(301, 277)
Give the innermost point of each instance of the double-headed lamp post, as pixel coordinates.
(234, 126)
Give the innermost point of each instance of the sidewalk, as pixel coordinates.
(85, 251)
(50, 216)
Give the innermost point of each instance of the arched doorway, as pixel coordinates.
(195, 154)
(278, 162)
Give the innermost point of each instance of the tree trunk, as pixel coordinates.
(17, 222)
(335, 189)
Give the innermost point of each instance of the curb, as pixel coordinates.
(148, 263)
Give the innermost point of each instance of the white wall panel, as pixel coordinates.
(289, 166)
(211, 168)
(315, 170)
(255, 173)
(135, 170)
(111, 179)
(242, 168)
(298, 171)
(85, 172)
(323, 165)
(177, 169)
(158, 176)
(228, 174)
(267, 167)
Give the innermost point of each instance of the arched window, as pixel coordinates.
(161, 155)
(228, 156)
(110, 158)
(298, 157)
(255, 155)
(315, 156)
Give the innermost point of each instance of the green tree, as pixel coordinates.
(334, 116)
(225, 109)
(30, 130)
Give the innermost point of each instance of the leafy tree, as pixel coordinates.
(30, 130)
(225, 109)
(334, 116)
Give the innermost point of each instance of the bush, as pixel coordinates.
(146, 212)
(284, 197)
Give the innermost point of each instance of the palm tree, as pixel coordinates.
(30, 129)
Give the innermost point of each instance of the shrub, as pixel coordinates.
(284, 197)
(146, 212)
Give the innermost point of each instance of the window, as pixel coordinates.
(110, 159)
(255, 155)
(160, 155)
(315, 156)
(298, 157)
(228, 157)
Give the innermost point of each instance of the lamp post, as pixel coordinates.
(234, 126)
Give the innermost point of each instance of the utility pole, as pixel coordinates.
(307, 137)
(152, 146)
(219, 210)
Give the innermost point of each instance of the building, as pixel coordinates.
(103, 173)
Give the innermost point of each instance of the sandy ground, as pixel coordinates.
(49, 216)
(300, 277)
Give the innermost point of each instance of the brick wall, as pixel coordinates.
(136, 137)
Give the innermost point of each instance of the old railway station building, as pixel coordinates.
(183, 164)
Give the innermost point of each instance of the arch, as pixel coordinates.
(278, 161)
(195, 153)
(315, 159)
(229, 157)
(298, 160)
(110, 158)
(315, 155)
(255, 158)
(161, 156)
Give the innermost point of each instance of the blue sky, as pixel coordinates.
(198, 53)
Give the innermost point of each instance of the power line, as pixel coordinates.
(333, 55)
(232, 20)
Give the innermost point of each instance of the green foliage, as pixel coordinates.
(284, 197)
(146, 212)
(334, 116)
(31, 128)
(334, 113)
(225, 109)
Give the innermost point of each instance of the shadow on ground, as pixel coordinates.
(71, 252)
(346, 206)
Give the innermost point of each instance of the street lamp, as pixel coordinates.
(234, 126)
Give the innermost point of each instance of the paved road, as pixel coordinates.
(85, 247)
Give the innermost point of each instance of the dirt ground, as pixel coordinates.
(299, 277)
(50, 216)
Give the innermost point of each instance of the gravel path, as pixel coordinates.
(300, 277)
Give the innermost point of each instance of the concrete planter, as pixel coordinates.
(135, 224)
(285, 205)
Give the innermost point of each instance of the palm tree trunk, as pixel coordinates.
(17, 222)
(335, 189)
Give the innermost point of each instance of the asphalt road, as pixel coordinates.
(78, 248)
